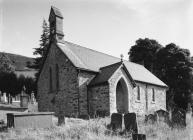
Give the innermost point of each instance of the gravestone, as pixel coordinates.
(61, 118)
(25, 120)
(33, 100)
(116, 121)
(84, 116)
(24, 98)
(130, 121)
(151, 118)
(139, 137)
(4, 98)
(162, 115)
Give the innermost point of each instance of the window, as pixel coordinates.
(57, 77)
(50, 73)
(138, 93)
(153, 94)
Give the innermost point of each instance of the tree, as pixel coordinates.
(171, 64)
(174, 68)
(6, 65)
(143, 52)
(41, 51)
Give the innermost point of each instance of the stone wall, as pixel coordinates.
(143, 106)
(138, 106)
(99, 99)
(65, 98)
(84, 78)
(146, 105)
(118, 75)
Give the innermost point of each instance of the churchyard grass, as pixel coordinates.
(94, 129)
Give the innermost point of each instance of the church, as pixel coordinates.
(77, 80)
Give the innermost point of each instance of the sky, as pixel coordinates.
(109, 26)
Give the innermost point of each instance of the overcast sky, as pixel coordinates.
(109, 26)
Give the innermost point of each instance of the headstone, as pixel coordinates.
(162, 115)
(139, 137)
(24, 98)
(33, 100)
(151, 118)
(130, 121)
(85, 117)
(61, 118)
(4, 97)
(116, 121)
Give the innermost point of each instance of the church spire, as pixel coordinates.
(56, 24)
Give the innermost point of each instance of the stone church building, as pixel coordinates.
(78, 80)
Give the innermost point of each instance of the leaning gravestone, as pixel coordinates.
(116, 121)
(130, 121)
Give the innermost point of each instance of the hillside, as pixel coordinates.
(19, 61)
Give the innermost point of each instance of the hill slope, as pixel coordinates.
(19, 61)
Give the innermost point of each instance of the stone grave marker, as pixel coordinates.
(162, 115)
(33, 100)
(116, 121)
(24, 98)
(4, 98)
(130, 121)
(61, 118)
(84, 116)
(139, 137)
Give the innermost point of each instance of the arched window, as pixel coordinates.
(50, 76)
(57, 77)
(153, 94)
(138, 93)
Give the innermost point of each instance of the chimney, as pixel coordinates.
(56, 24)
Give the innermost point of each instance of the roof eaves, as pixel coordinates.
(163, 86)
(129, 75)
(98, 84)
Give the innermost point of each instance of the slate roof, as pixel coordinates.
(105, 73)
(88, 59)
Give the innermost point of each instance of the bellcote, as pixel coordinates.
(56, 24)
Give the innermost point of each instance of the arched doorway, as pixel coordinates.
(122, 96)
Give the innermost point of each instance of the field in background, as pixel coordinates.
(94, 129)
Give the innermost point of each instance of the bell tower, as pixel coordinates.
(56, 24)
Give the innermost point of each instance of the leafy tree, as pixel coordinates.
(143, 52)
(174, 68)
(41, 51)
(8, 82)
(6, 65)
(29, 85)
(171, 64)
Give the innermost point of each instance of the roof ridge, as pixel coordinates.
(100, 52)
(111, 65)
(93, 50)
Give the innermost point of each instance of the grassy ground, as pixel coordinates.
(94, 129)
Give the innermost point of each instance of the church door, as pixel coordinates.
(122, 96)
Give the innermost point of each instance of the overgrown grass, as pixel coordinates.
(94, 129)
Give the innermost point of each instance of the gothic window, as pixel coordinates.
(50, 76)
(138, 93)
(57, 77)
(153, 94)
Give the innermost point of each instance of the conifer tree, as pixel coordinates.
(41, 51)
